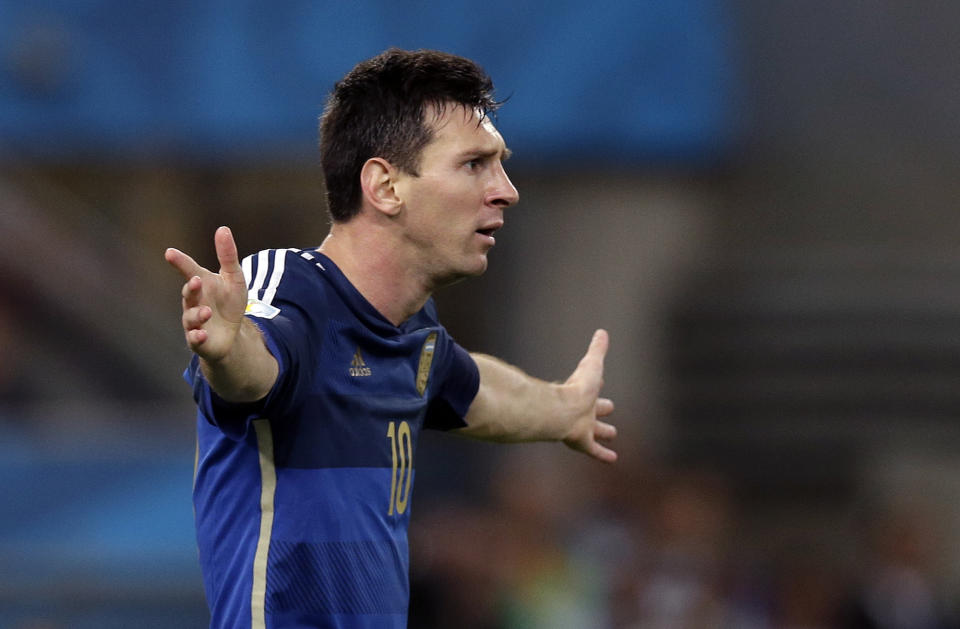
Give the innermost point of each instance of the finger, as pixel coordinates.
(604, 431)
(599, 344)
(183, 263)
(593, 359)
(227, 255)
(604, 407)
(191, 292)
(601, 452)
(194, 318)
(196, 338)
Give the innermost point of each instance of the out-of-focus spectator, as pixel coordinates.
(546, 551)
(897, 587)
(804, 589)
(558, 543)
(11, 388)
(681, 581)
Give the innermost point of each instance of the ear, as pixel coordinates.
(377, 181)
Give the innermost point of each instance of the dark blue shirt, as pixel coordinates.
(303, 499)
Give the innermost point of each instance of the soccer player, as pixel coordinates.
(314, 370)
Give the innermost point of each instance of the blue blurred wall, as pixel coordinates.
(636, 80)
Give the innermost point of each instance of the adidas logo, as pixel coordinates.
(357, 366)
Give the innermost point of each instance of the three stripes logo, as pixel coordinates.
(358, 368)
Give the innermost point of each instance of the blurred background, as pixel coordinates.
(756, 198)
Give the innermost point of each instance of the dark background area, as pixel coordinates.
(757, 199)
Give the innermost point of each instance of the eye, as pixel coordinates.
(474, 164)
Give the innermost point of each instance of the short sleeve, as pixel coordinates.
(460, 381)
(284, 302)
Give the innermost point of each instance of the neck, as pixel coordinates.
(376, 267)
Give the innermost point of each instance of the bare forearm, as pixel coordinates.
(247, 372)
(512, 406)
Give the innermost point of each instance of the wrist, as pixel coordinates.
(246, 371)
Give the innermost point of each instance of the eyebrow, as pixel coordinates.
(507, 153)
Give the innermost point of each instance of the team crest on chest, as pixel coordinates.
(358, 367)
(426, 359)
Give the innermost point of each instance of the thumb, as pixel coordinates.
(591, 365)
(227, 255)
(597, 350)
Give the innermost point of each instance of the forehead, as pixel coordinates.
(462, 127)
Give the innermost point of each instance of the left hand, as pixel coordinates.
(582, 391)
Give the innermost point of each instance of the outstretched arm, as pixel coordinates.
(512, 406)
(234, 358)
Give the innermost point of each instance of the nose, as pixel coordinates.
(503, 193)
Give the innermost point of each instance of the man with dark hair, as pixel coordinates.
(378, 109)
(315, 370)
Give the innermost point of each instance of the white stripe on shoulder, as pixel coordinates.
(279, 263)
(263, 263)
(247, 266)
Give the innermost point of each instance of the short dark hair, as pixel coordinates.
(377, 110)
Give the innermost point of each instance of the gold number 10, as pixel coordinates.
(401, 440)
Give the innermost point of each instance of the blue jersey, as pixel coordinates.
(302, 500)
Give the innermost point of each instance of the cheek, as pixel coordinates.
(445, 205)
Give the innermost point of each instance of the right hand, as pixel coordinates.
(213, 303)
(589, 433)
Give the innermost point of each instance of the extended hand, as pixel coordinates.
(213, 303)
(583, 388)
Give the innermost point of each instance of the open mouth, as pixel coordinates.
(487, 232)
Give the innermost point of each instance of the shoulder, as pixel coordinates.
(266, 269)
(269, 265)
(281, 275)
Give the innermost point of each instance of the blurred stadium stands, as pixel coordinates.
(220, 80)
(757, 199)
